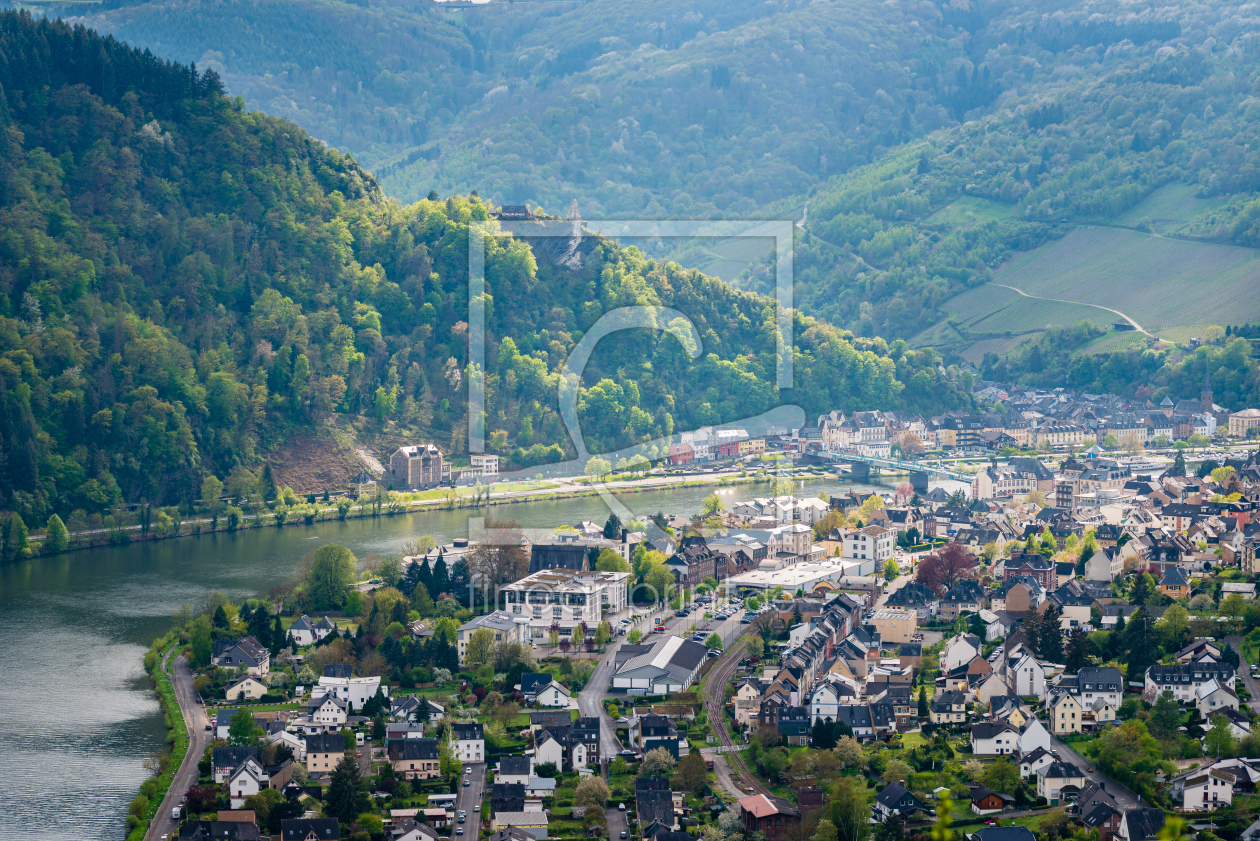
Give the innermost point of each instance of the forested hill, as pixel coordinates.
(185, 286)
(1148, 127)
(647, 109)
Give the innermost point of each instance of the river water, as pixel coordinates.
(76, 715)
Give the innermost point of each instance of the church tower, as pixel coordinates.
(1205, 399)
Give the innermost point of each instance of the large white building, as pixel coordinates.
(870, 547)
(352, 690)
(565, 598)
(804, 576)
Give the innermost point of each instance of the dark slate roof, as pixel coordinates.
(1144, 824)
(464, 732)
(296, 829)
(533, 681)
(325, 743)
(408, 749)
(989, 729)
(514, 766)
(895, 796)
(338, 670)
(223, 757)
(549, 718)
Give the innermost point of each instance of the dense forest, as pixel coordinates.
(184, 284)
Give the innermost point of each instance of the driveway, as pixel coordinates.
(469, 799)
(199, 739)
(618, 822)
(1125, 798)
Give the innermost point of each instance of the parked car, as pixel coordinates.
(621, 807)
(467, 782)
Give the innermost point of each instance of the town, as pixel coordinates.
(1065, 646)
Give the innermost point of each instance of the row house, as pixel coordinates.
(1184, 680)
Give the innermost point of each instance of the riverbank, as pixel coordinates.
(144, 808)
(373, 509)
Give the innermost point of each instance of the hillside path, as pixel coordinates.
(1136, 326)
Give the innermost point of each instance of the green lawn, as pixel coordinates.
(1032, 822)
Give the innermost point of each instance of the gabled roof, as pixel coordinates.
(989, 729)
(1173, 576)
(761, 806)
(329, 743)
(894, 796)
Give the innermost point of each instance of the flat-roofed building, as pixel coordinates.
(894, 624)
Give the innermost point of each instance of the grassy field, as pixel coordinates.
(1169, 210)
(1158, 281)
(967, 211)
(992, 309)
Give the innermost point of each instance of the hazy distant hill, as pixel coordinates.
(646, 109)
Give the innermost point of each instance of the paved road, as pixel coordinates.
(469, 799)
(199, 740)
(1244, 673)
(590, 701)
(1124, 797)
(618, 822)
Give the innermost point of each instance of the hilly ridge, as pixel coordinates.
(185, 285)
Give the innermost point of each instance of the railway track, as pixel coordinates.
(714, 704)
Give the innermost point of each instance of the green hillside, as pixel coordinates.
(186, 287)
(636, 110)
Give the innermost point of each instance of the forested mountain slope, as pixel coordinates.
(637, 110)
(184, 285)
(1149, 127)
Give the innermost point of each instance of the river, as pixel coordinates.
(78, 716)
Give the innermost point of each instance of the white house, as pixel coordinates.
(869, 547)
(1184, 680)
(327, 712)
(1035, 737)
(895, 801)
(353, 690)
(306, 630)
(1105, 565)
(469, 742)
(1211, 697)
(247, 780)
(993, 738)
(515, 769)
(993, 686)
(1206, 791)
(1053, 778)
(1030, 678)
(1031, 763)
(548, 749)
(959, 650)
(293, 742)
(825, 702)
(553, 695)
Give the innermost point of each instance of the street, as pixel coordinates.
(199, 740)
(590, 700)
(469, 799)
(618, 822)
(1125, 798)
(1244, 673)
